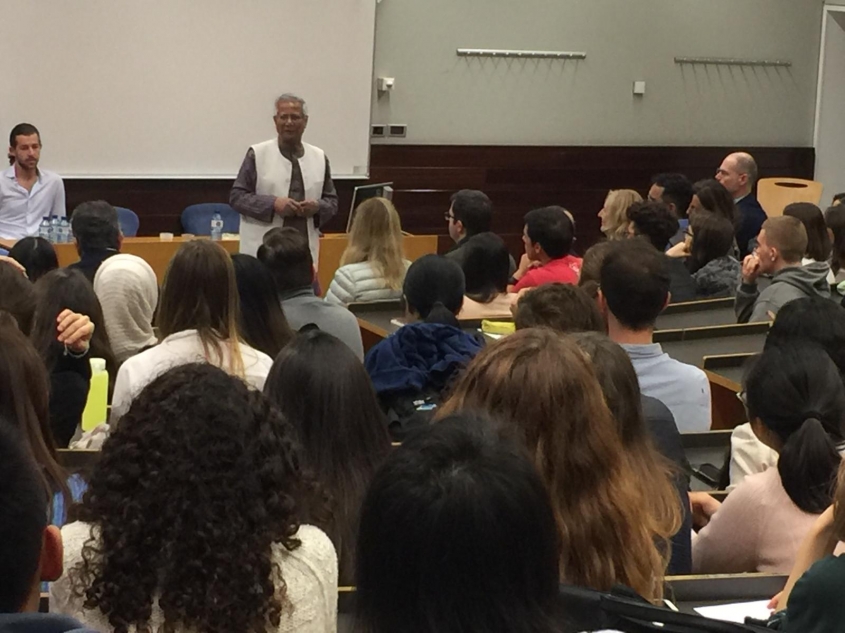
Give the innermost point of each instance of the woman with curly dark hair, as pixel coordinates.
(191, 521)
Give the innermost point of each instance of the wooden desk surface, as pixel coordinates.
(698, 318)
(694, 351)
(158, 253)
(154, 251)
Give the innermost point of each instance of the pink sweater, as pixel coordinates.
(757, 529)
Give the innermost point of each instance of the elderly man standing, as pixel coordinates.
(738, 174)
(284, 182)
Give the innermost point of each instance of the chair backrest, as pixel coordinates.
(196, 219)
(128, 221)
(774, 194)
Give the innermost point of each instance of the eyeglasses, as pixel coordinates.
(448, 216)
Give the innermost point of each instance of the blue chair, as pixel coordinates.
(128, 221)
(196, 219)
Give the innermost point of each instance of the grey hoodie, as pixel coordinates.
(794, 282)
(39, 623)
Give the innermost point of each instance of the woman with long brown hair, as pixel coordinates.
(24, 396)
(372, 268)
(652, 443)
(546, 387)
(197, 321)
(325, 393)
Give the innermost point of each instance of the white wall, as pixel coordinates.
(446, 99)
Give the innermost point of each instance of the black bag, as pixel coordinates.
(623, 610)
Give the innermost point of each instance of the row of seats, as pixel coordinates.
(196, 219)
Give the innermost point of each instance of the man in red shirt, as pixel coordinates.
(548, 237)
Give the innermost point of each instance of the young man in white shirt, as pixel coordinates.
(27, 193)
(634, 290)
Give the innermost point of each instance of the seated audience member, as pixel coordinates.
(545, 387)
(96, 232)
(561, 307)
(591, 267)
(36, 255)
(198, 322)
(28, 192)
(818, 238)
(17, 296)
(711, 196)
(738, 174)
(780, 247)
(812, 596)
(24, 396)
(324, 392)
(457, 534)
(634, 290)
(837, 199)
(548, 237)
(675, 191)
(614, 213)
(261, 322)
(656, 223)
(714, 269)
(796, 403)
(286, 253)
(59, 294)
(127, 288)
(213, 536)
(413, 367)
(834, 218)
(486, 266)
(651, 439)
(372, 268)
(470, 213)
(808, 321)
(30, 548)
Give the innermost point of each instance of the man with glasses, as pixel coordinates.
(284, 182)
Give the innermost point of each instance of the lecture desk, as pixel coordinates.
(158, 253)
(689, 592)
(707, 312)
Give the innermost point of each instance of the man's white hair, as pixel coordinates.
(289, 97)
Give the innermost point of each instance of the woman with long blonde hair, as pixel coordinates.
(197, 320)
(373, 265)
(546, 390)
(613, 215)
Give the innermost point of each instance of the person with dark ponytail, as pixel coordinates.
(796, 404)
(414, 366)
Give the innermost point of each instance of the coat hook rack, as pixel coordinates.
(730, 61)
(491, 52)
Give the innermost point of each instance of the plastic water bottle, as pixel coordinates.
(95, 412)
(44, 228)
(64, 228)
(216, 226)
(54, 229)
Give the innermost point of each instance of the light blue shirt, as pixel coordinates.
(684, 389)
(21, 211)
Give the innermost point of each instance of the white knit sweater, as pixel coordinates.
(310, 573)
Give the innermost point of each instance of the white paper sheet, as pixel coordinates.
(737, 612)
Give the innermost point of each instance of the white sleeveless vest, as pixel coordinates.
(274, 174)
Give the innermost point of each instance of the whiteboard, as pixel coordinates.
(182, 88)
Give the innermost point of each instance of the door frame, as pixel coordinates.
(826, 11)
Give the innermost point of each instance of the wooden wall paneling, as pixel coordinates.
(517, 179)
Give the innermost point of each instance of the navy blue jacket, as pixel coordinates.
(751, 218)
(419, 357)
